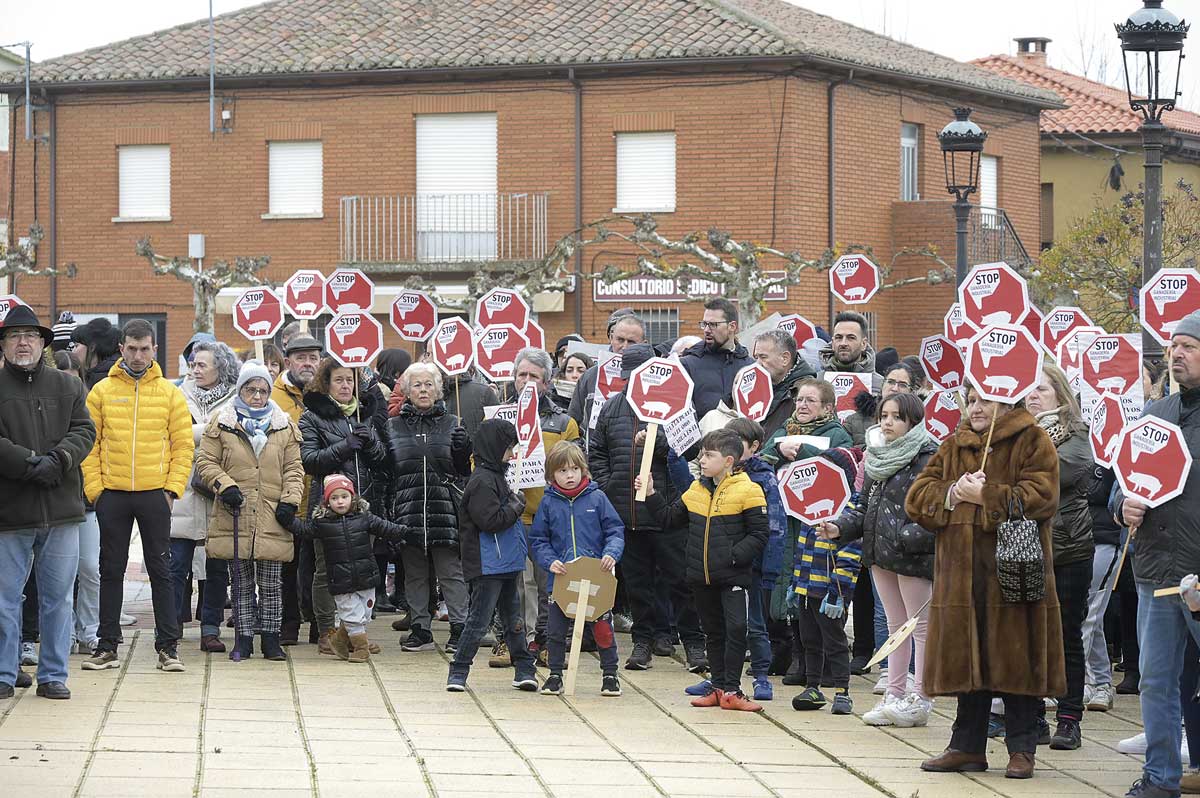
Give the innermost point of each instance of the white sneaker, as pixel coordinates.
(1135, 745)
(28, 654)
(878, 716)
(881, 685)
(127, 620)
(911, 711)
(1051, 703)
(1088, 692)
(1101, 698)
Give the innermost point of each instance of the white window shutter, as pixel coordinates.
(145, 181)
(989, 178)
(296, 177)
(910, 136)
(456, 186)
(4, 112)
(646, 171)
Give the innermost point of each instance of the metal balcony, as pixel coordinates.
(991, 237)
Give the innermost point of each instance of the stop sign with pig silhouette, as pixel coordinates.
(1104, 433)
(354, 339)
(854, 279)
(659, 391)
(1059, 323)
(943, 414)
(753, 392)
(453, 346)
(413, 316)
(993, 293)
(1152, 461)
(347, 290)
(1004, 363)
(501, 306)
(496, 351)
(1111, 363)
(801, 329)
(846, 388)
(1166, 299)
(814, 490)
(956, 326)
(304, 294)
(257, 313)
(942, 361)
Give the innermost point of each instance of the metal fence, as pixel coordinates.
(991, 237)
(443, 228)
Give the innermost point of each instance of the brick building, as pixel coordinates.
(429, 137)
(9, 62)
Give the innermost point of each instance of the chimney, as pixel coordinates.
(1032, 48)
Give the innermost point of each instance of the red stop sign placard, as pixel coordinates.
(1070, 352)
(608, 375)
(348, 290)
(1152, 461)
(413, 316)
(1004, 363)
(846, 386)
(453, 346)
(1169, 296)
(501, 306)
(660, 390)
(534, 333)
(257, 313)
(1111, 363)
(496, 351)
(942, 361)
(814, 490)
(304, 294)
(753, 392)
(354, 339)
(854, 279)
(993, 293)
(1108, 420)
(1059, 323)
(943, 414)
(7, 303)
(956, 327)
(1033, 322)
(801, 329)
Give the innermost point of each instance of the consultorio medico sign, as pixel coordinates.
(665, 289)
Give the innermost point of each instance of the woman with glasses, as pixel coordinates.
(249, 456)
(900, 378)
(812, 428)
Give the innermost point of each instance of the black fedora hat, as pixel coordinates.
(23, 316)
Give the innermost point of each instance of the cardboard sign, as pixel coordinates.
(854, 279)
(304, 294)
(501, 306)
(1033, 322)
(1070, 353)
(413, 316)
(1004, 363)
(1152, 461)
(496, 351)
(348, 290)
(801, 329)
(1059, 323)
(1104, 433)
(453, 346)
(354, 339)
(846, 386)
(943, 362)
(660, 390)
(1111, 363)
(603, 590)
(814, 490)
(257, 313)
(993, 293)
(956, 326)
(684, 432)
(1169, 296)
(753, 392)
(943, 414)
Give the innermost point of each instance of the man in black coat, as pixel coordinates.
(45, 433)
(625, 329)
(715, 361)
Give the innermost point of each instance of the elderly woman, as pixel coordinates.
(250, 457)
(431, 456)
(814, 418)
(985, 646)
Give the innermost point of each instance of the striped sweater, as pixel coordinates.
(813, 559)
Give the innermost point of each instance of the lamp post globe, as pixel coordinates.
(962, 147)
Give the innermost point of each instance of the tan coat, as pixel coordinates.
(976, 640)
(226, 458)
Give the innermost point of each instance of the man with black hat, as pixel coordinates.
(45, 433)
(624, 329)
(651, 552)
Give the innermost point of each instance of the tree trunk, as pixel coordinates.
(205, 298)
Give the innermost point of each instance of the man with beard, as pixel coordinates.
(849, 351)
(714, 362)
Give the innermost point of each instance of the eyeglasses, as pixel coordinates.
(22, 335)
(711, 325)
(257, 392)
(904, 386)
(807, 400)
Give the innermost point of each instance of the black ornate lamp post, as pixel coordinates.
(962, 144)
(1152, 45)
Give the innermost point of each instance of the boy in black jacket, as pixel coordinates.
(344, 526)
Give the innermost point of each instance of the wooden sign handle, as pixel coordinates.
(1121, 562)
(647, 459)
(581, 611)
(258, 351)
(303, 327)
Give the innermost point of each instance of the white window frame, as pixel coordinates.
(457, 216)
(4, 125)
(646, 172)
(145, 202)
(910, 162)
(295, 180)
(989, 190)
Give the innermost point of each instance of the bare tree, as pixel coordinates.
(206, 283)
(21, 260)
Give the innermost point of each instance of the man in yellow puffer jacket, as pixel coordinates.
(139, 465)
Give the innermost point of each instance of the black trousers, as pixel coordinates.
(864, 615)
(644, 551)
(722, 610)
(116, 512)
(1072, 582)
(971, 722)
(826, 650)
(290, 586)
(306, 566)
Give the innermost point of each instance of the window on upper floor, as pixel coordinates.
(145, 181)
(910, 163)
(645, 172)
(456, 187)
(296, 178)
(4, 123)
(989, 190)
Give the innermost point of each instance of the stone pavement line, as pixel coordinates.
(200, 732)
(12, 704)
(312, 763)
(112, 699)
(391, 708)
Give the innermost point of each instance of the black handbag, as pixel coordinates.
(1020, 560)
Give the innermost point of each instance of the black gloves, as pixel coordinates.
(232, 497)
(285, 513)
(44, 469)
(458, 439)
(361, 431)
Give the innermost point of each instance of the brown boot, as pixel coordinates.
(1020, 766)
(323, 643)
(339, 641)
(952, 761)
(360, 648)
(374, 648)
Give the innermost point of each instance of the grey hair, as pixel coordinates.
(685, 342)
(780, 338)
(225, 359)
(421, 370)
(537, 357)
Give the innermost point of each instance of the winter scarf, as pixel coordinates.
(205, 398)
(797, 427)
(1052, 424)
(255, 421)
(571, 494)
(884, 461)
(349, 408)
(137, 375)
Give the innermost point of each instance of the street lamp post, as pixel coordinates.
(1152, 44)
(962, 145)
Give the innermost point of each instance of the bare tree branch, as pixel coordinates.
(206, 283)
(22, 260)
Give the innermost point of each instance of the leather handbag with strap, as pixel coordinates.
(1020, 560)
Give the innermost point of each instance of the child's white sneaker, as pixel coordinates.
(881, 686)
(911, 711)
(877, 716)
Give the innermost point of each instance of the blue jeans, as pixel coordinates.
(1163, 627)
(87, 597)
(57, 562)
(216, 582)
(489, 594)
(757, 639)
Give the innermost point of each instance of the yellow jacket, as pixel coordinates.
(143, 435)
(289, 398)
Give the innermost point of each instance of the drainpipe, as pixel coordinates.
(578, 197)
(831, 177)
(53, 207)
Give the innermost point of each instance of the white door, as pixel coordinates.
(456, 187)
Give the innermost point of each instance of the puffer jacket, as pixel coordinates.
(727, 528)
(1105, 530)
(192, 513)
(614, 462)
(566, 529)
(465, 397)
(890, 539)
(832, 429)
(712, 372)
(427, 474)
(556, 426)
(143, 435)
(325, 448)
(493, 537)
(1072, 538)
(770, 564)
(272, 477)
(349, 558)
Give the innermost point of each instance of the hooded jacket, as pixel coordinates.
(712, 372)
(566, 529)
(349, 557)
(326, 448)
(490, 528)
(192, 513)
(614, 461)
(864, 365)
(428, 474)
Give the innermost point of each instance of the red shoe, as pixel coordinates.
(739, 701)
(713, 699)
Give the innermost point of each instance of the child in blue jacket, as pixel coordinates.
(575, 519)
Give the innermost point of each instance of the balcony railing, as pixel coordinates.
(991, 237)
(443, 228)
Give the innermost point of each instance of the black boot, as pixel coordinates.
(271, 649)
(243, 647)
(382, 603)
(781, 658)
(289, 634)
(1129, 685)
(314, 632)
(796, 676)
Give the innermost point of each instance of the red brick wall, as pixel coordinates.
(726, 175)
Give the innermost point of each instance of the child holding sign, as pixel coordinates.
(726, 515)
(575, 519)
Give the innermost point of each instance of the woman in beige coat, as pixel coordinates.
(249, 456)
